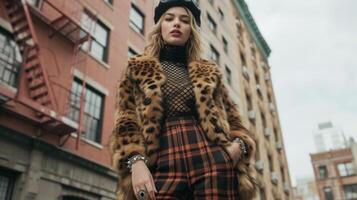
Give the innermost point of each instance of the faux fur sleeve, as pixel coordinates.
(127, 137)
(248, 185)
(237, 128)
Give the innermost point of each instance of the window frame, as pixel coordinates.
(12, 69)
(228, 72)
(325, 170)
(353, 191)
(132, 23)
(11, 184)
(132, 52)
(98, 134)
(110, 2)
(225, 44)
(212, 25)
(214, 51)
(94, 40)
(330, 193)
(346, 165)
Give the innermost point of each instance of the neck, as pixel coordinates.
(173, 53)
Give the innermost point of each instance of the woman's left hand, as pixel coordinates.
(234, 152)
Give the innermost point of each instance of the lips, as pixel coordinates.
(176, 33)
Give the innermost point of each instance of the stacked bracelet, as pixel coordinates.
(242, 145)
(135, 158)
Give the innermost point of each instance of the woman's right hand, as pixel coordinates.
(142, 179)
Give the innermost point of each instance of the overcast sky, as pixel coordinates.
(314, 69)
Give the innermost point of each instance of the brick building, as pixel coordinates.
(335, 174)
(51, 49)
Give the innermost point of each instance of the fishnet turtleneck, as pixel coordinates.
(178, 90)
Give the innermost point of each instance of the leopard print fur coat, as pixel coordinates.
(139, 110)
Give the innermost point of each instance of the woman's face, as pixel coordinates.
(175, 26)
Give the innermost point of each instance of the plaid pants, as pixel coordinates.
(190, 166)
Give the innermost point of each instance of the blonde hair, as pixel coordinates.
(156, 42)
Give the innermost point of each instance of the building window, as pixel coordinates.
(350, 191)
(250, 103)
(221, 14)
(35, 3)
(228, 75)
(323, 172)
(214, 54)
(100, 36)
(346, 169)
(132, 52)
(252, 49)
(7, 180)
(109, 1)
(270, 163)
(225, 44)
(93, 110)
(136, 19)
(282, 174)
(10, 59)
(276, 134)
(211, 24)
(328, 193)
(264, 121)
(244, 63)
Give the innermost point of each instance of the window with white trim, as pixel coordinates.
(93, 109)
(346, 169)
(10, 59)
(99, 45)
(214, 55)
(212, 24)
(136, 19)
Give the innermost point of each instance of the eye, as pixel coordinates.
(186, 21)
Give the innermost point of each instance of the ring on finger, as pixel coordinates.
(142, 194)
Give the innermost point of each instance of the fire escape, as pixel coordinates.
(50, 117)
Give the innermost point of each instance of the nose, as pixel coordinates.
(177, 22)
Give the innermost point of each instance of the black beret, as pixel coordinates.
(164, 5)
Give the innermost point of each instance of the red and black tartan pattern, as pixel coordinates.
(190, 166)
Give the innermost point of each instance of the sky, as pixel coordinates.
(314, 69)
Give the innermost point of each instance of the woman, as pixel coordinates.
(177, 134)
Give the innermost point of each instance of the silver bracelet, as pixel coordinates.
(135, 158)
(242, 145)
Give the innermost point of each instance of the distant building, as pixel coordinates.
(329, 137)
(335, 174)
(306, 189)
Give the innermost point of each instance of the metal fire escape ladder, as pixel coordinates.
(25, 37)
(40, 88)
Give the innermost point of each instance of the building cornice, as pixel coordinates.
(252, 27)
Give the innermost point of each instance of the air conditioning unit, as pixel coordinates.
(245, 72)
(259, 89)
(268, 132)
(271, 107)
(279, 146)
(267, 77)
(251, 115)
(259, 165)
(274, 177)
(286, 187)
